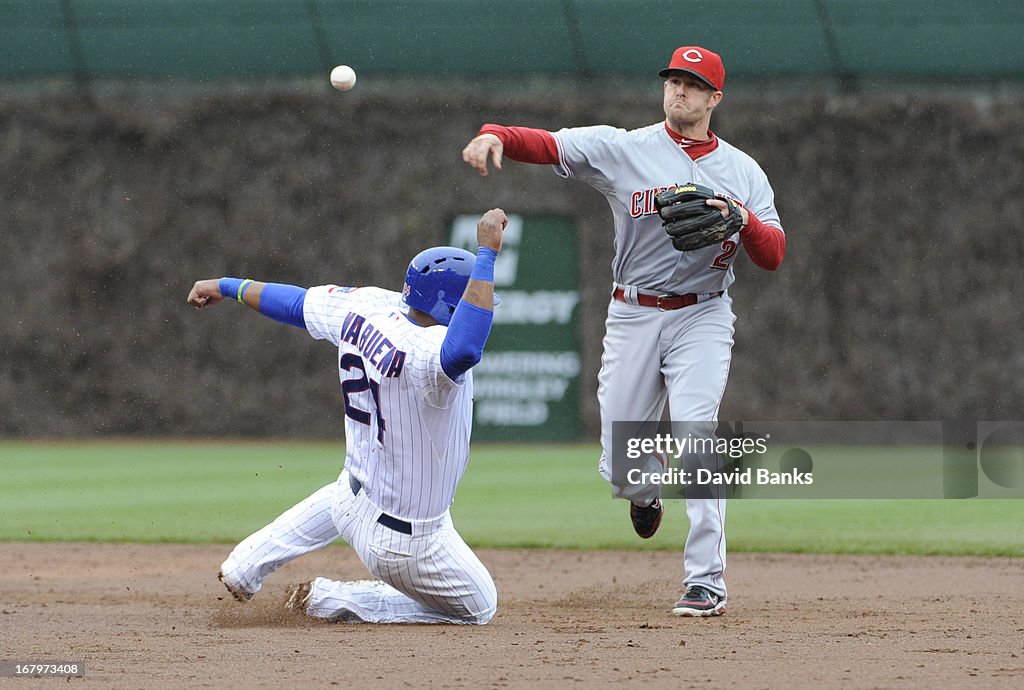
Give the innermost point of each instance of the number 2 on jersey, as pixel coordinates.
(349, 362)
(728, 249)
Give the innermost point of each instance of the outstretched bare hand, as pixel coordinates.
(205, 293)
(479, 148)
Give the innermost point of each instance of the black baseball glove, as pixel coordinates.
(690, 222)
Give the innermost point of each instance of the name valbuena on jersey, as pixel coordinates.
(407, 424)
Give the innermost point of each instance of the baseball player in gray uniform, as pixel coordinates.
(405, 362)
(669, 330)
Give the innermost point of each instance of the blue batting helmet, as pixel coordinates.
(436, 279)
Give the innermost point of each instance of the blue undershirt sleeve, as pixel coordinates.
(463, 345)
(284, 303)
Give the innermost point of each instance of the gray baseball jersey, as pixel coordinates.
(630, 167)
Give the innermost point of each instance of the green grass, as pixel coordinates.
(512, 495)
(154, 492)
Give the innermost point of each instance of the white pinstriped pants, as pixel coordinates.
(430, 576)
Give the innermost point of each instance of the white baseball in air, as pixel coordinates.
(343, 77)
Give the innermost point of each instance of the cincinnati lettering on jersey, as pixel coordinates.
(641, 203)
(376, 349)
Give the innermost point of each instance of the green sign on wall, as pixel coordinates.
(526, 387)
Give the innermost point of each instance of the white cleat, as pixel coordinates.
(239, 595)
(299, 596)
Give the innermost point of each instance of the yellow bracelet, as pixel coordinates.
(241, 288)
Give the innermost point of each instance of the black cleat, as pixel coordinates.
(699, 601)
(646, 519)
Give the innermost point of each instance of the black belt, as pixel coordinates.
(384, 519)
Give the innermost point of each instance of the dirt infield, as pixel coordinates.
(145, 616)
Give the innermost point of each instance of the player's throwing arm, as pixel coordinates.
(479, 149)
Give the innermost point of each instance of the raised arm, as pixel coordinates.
(463, 345)
(523, 144)
(277, 301)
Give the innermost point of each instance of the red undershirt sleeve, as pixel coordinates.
(765, 244)
(525, 144)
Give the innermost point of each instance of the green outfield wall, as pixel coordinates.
(848, 41)
(900, 295)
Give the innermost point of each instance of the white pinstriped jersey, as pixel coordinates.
(629, 167)
(407, 425)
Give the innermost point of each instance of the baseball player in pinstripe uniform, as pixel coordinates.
(669, 331)
(405, 362)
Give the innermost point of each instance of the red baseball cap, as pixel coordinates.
(699, 62)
